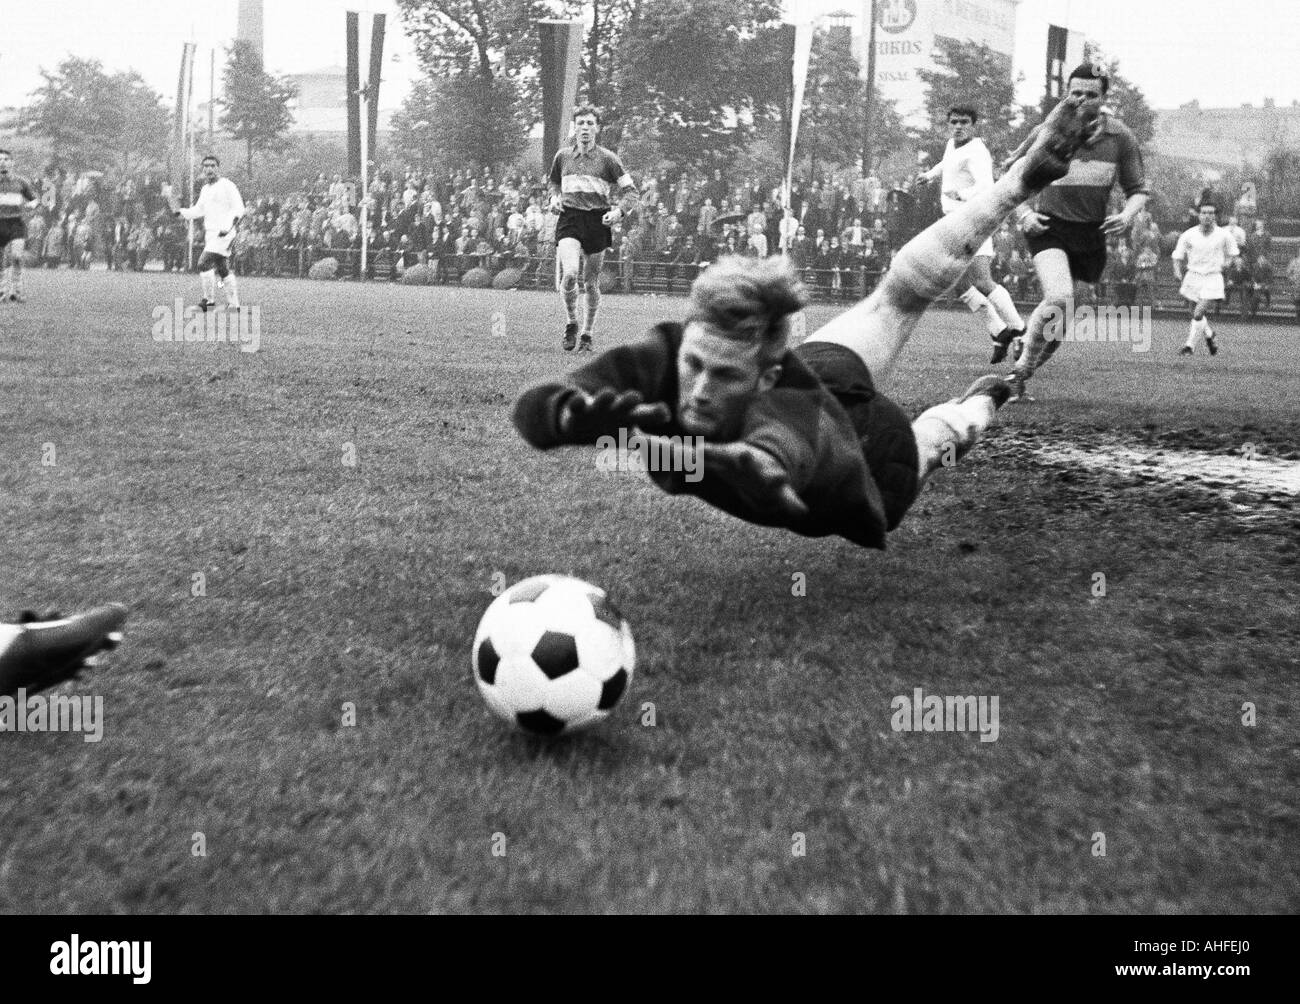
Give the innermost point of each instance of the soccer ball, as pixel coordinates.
(552, 655)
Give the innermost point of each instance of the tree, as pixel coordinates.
(256, 104)
(975, 75)
(1281, 189)
(483, 38)
(143, 125)
(832, 111)
(450, 122)
(691, 79)
(92, 119)
(600, 55)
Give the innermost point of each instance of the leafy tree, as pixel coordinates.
(976, 75)
(481, 92)
(96, 120)
(1281, 189)
(832, 118)
(692, 78)
(454, 121)
(256, 104)
(142, 125)
(483, 38)
(610, 20)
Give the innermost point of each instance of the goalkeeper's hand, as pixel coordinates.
(584, 418)
(760, 480)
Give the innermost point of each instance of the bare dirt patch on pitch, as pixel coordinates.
(1240, 473)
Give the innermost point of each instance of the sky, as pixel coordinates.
(1175, 50)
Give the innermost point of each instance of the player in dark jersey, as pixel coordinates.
(1067, 232)
(798, 439)
(17, 197)
(583, 176)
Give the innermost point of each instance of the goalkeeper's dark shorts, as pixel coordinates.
(883, 428)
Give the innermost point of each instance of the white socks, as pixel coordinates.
(209, 281)
(232, 291)
(947, 431)
(998, 309)
(1003, 304)
(979, 304)
(1196, 331)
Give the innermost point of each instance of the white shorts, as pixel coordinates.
(1198, 286)
(212, 244)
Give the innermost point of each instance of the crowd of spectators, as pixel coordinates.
(840, 234)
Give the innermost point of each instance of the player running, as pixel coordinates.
(1067, 233)
(967, 170)
(582, 177)
(42, 651)
(17, 197)
(221, 207)
(798, 439)
(1206, 250)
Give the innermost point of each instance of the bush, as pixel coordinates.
(31, 259)
(507, 278)
(417, 275)
(479, 278)
(608, 281)
(326, 268)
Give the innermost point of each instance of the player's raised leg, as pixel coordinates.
(927, 266)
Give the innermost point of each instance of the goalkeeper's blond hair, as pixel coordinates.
(749, 300)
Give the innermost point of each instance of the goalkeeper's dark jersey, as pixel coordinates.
(800, 421)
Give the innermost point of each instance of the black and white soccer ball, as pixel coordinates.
(553, 655)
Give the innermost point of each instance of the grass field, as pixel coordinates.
(327, 583)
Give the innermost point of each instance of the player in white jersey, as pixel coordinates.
(967, 170)
(1206, 250)
(221, 207)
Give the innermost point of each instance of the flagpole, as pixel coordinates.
(365, 172)
(189, 138)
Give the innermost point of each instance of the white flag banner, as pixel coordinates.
(803, 36)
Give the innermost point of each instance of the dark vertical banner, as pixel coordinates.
(372, 86)
(1058, 46)
(561, 54)
(354, 97)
